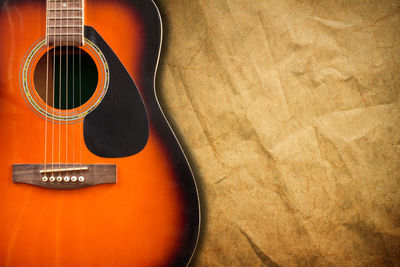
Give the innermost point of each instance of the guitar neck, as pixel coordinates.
(65, 21)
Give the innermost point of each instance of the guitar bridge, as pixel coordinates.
(65, 176)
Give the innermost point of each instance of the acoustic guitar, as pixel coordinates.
(91, 173)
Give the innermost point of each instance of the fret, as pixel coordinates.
(63, 34)
(60, 18)
(65, 9)
(62, 23)
(69, 28)
(64, 26)
(65, 13)
(77, 30)
(50, 27)
(64, 1)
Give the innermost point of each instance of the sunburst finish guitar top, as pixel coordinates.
(90, 172)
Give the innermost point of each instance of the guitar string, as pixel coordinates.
(73, 104)
(80, 106)
(59, 98)
(47, 89)
(54, 92)
(80, 89)
(66, 94)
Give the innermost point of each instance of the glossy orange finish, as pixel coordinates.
(135, 222)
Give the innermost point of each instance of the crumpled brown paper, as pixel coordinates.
(290, 114)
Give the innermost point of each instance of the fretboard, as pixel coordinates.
(65, 20)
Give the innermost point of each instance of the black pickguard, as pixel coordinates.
(119, 126)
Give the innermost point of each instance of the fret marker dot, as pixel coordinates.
(64, 4)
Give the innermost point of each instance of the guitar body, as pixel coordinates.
(150, 216)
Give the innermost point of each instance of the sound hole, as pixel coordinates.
(70, 76)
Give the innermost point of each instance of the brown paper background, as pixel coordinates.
(290, 115)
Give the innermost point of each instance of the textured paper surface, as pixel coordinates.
(290, 114)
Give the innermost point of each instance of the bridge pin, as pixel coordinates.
(59, 179)
(45, 179)
(81, 179)
(52, 178)
(74, 179)
(66, 179)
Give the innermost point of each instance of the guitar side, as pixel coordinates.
(151, 216)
